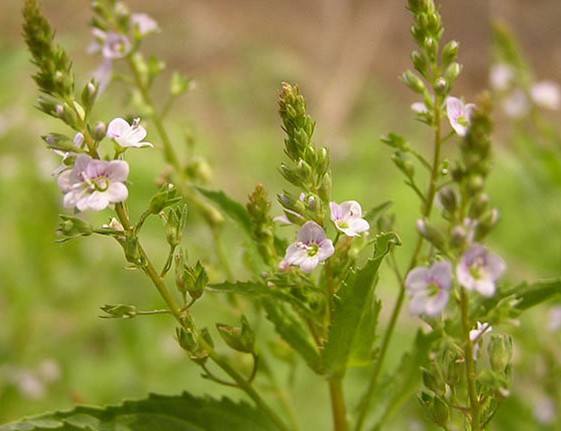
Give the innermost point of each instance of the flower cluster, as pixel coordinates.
(429, 288)
(313, 246)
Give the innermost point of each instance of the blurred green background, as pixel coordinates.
(346, 56)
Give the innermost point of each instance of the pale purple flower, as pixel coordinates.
(459, 114)
(475, 336)
(516, 105)
(94, 184)
(546, 94)
(143, 24)
(311, 248)
(501, 76)
(112, 45)
(429, 288)
(348, 218)
(479, 270)
(127, 135)
(545, 410)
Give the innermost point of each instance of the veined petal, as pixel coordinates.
(117, 128)
(326, 249)
(311, 232)
(117, 192)
(309, 264)
(417, 279)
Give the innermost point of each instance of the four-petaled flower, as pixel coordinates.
(429, 288)
(94, 184)
(311, 248)
(459, 114)
(479, 270)
(348, 218)
(127, 135)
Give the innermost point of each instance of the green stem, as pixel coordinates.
(471, 374)
(338, 407)
(148, 267)
(426, 211)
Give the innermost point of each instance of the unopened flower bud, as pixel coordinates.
(413, 82)
(419, 61)
(450, 52)
(500, 352)
(452, 72)
(448, 199)
(432, 381)
(441, 86)
(431, 233)
(241, 338)
(99, 131)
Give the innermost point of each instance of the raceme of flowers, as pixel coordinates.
(429, 288)
(313, 246)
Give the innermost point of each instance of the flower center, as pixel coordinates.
(477, 268)
(463, 120)
(433, 288)
(100, 184)
(312, 249)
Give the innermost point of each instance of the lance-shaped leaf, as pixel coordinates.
(241, 288)
(353, 317)
(157, 412)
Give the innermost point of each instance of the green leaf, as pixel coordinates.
(157, 412)
(292, 330)
(354, 314)
(235, 210)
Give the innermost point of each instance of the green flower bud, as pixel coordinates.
(413, 82)
(241, 338)
(130, 247)
(431, 233)
(166, 197)
(441, 87)
(420, 62)
(500, 352)
(433, 381)
(449, 200)
(99, 131)
(89, 95)
(450, 52)
(452, 72)
(190, 341)
(291, 175)
(73, 227)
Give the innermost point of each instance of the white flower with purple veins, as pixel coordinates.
(429, 288)
(94, 184)
(127, 135)
(311, 248)
(479, 270)
(348, 218)
(546, 94)
(143, 24)
(459, 114)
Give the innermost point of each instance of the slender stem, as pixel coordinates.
(426, 211)
(148, 266)
(471, 374)
(338, 408)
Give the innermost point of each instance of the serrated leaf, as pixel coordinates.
(293, 331)
(232, 208)
(163, 413)
(352, 305)
(361, 351)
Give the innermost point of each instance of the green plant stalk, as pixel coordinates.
(213, 218)
(471, 374)
(338, 408)
(427, 209)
